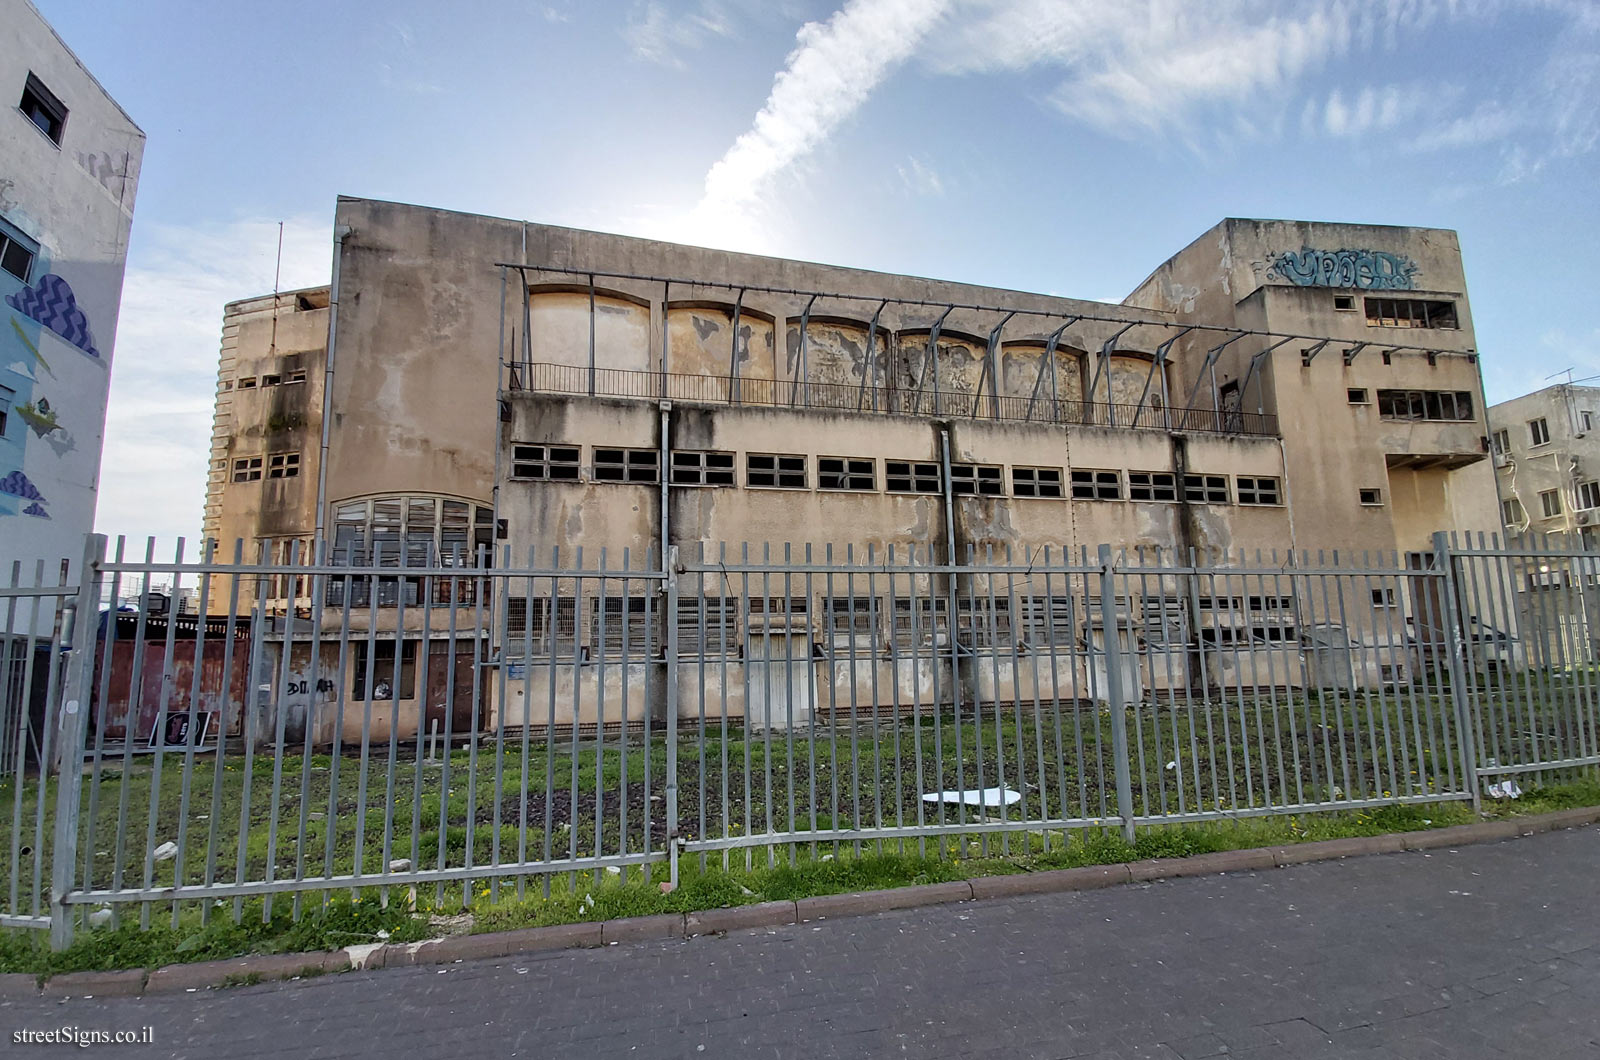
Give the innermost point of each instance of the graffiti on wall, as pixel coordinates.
(1367, 270)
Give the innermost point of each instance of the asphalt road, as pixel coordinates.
(1489, 951)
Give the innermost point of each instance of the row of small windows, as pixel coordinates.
(275, 465)
(1402, 312)
(251, 382)
(564, 463)
(1550, 506)
(718, 625)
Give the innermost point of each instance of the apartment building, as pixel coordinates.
(1547, 462)
(71, 168)
(492, 390)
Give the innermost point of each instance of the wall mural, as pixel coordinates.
(1367, 270)
(42, 386)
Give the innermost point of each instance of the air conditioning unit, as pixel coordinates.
(1585, 516)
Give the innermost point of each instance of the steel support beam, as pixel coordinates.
(1104, 364)
(1309, 354)
(1049, 361)
(1158, 361)
(733, 349)
(868, 366)
(991, 372)
(932, 356)
(804, 370)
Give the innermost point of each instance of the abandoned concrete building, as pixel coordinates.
(472, 389)
(1547, 459)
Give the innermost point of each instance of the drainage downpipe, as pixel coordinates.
(340, 233)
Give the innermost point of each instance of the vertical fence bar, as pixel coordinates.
(1458, 681)
(672, 715)
(1114, 692)
(77, 633)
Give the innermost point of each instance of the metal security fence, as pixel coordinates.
(239, 737)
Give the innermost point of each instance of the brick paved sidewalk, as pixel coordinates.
(1489, 951)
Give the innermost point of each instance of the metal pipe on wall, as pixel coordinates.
(340, 234)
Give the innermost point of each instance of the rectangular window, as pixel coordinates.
(903, 476)
(1550, 503)
(297, 375)
(1205, 489)
(1501, 442)
(708, 626)
(619, 627)
(784, 471)
(1447, 405)
(851, 620)
(1049, 623)
(1511, 512)
(695, 467)
(1538, 432)
(383, 675)
(549, 462)
(980, 479)
(16, 256)
(847, 473)
(247, 469)
(1152, 486)
(271, 380)
(532, 626)
(247, 383)
(627, 465)
(283, 465)
(1092, 485)
(1383, 596)
(1344, 303)
(1258, 489)
(984, 623)
(1588, 495)
(1036, 482)
(1371, 496)
(917, 621)
(1410, 313)
(1586, 419)
(1357, 395)
(43, 109)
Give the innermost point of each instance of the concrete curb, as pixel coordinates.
(266, 967)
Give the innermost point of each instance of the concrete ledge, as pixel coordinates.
(1088, 878)
(882, 901)
(556, 937)
(1466, 834)
(127, 983)
(740, 918)
(18, 984)
(205, 975)
(642, 928)
(772, 914)
(1328, 849)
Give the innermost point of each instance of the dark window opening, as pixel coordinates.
(1371, 496)
(1357, 395)
(1257, 490)
(550, 462)
(1205, 489)
(620, 627)
(1410, 313)
(1090, 485)
(530, 628)
(16, 257)
(693, 467)
(43, 109)
(903, 476)
(283, 465)
(846, 473)
(1447, 405)
(627, 465)
(1152, 486)
(247, 469)
(1344, 302)
(1036, 482)
(383, 670)
(775, 471)
(980, 479)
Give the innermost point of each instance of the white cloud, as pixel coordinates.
(1376, 109)
(163, 382)
(831, 72)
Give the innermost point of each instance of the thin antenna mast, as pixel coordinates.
(277, 276)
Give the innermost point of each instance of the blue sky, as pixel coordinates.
(1066, 146)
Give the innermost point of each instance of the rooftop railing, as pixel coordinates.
(744, 391)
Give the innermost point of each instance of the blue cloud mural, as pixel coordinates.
(17, 485)
(52, 303)
(36, 509)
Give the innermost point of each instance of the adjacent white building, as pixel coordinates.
(1547, 458)
(69, 165)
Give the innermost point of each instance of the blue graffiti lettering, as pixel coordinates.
(1367, 270)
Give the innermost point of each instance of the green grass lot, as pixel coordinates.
(560, 799)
